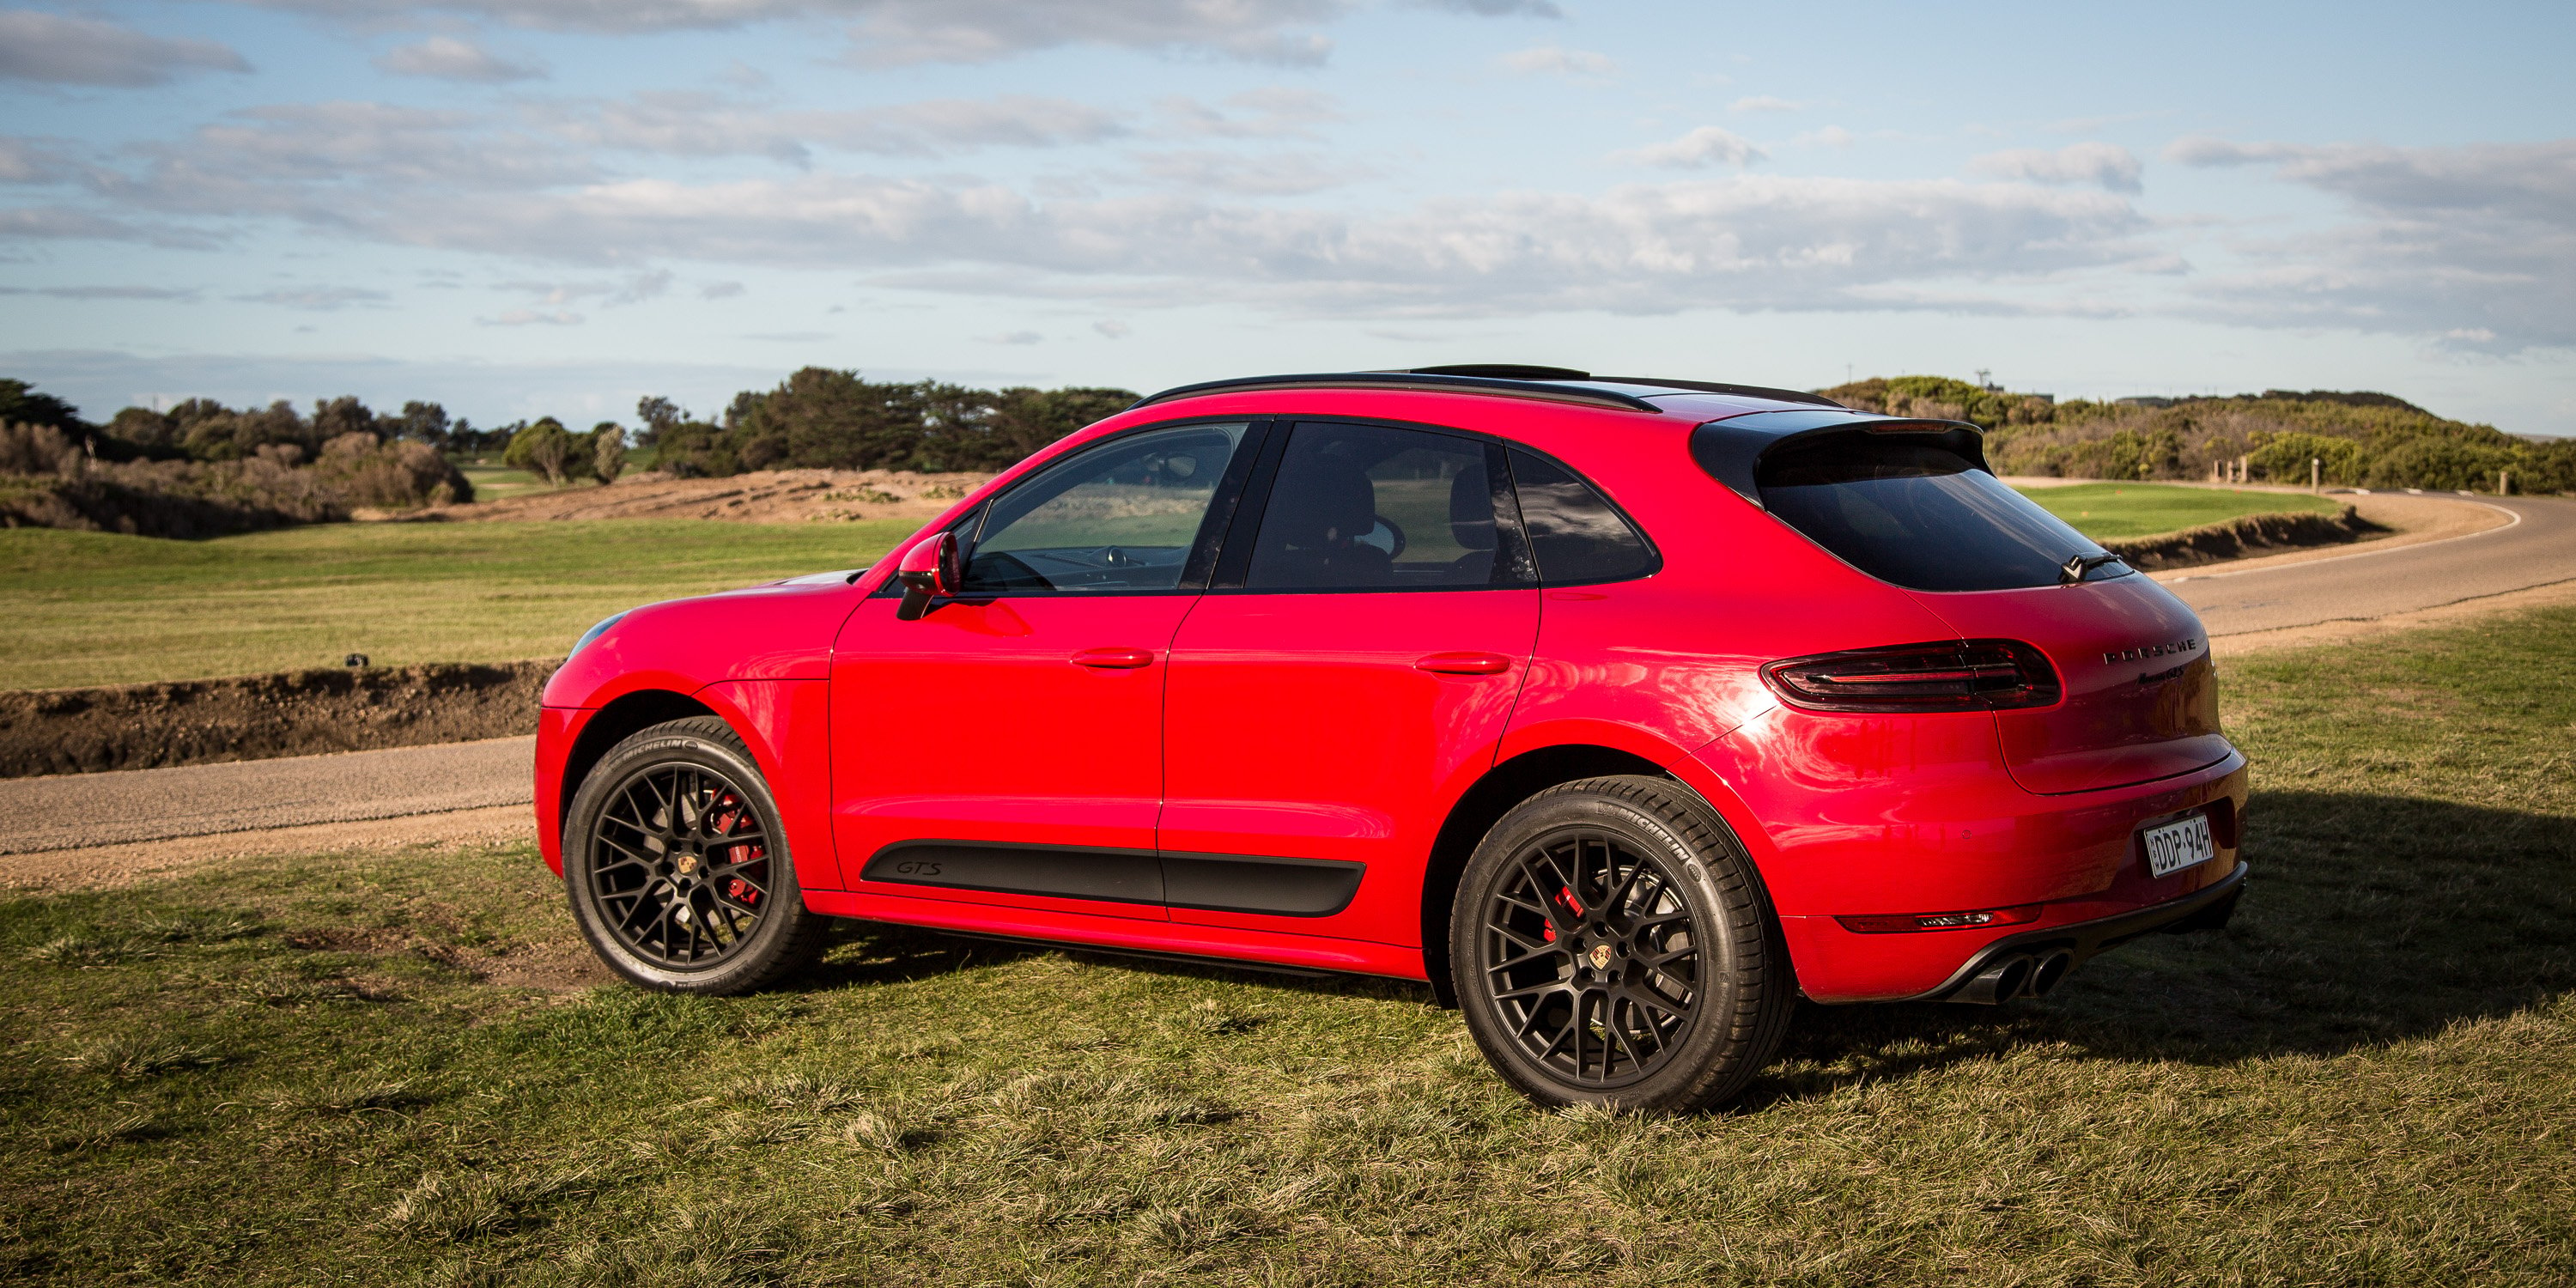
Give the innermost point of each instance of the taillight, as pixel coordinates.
(1965, 675)
(1903, 922)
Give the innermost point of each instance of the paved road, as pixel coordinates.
(79, 810)
(2537, 549)
(201, 800)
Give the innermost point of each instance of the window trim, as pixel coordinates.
(1234, 558)
(1654, 552)
(969, 527)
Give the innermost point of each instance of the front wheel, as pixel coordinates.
(1612, 945)
(676, 869)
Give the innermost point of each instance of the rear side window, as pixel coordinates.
(1370, 507)
(1575, 534)
(1921, 517)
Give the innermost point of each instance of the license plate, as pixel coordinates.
(2176, 846)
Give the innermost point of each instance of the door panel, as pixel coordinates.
(1304, 727)
(976, 724)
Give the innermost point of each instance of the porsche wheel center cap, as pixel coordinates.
(1600, 956)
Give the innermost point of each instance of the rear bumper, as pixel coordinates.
(2206, 908)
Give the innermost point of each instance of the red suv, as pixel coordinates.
(1625, 712)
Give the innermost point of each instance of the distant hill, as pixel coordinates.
(2364, 439)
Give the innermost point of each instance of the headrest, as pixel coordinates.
(1320, 495)
(1471, 510)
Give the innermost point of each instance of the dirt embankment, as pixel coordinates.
(254, 717)
(769, 496)
(2254, 534)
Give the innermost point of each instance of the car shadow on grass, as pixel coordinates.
(2367, 919)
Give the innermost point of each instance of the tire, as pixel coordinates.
(676, 869)
(1651, 978)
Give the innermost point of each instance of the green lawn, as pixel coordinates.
(331, 1069)
(2114, 510)
(493, 482)
(97, 608)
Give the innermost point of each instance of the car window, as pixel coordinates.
(1575, 534)
(1118, 518)
(1923, 517)
(1367, 507)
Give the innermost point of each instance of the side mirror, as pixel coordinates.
(928, 570)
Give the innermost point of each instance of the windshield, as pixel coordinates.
(1922, 517)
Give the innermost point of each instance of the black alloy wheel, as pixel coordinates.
(681, 866)
(1594, 967)
(676, 869)
(1612, 945)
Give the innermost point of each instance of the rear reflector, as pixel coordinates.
(1964, 675)
(1904, 922)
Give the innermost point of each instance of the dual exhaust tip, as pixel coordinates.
(2016, 976)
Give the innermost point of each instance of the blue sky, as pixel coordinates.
(524, 207)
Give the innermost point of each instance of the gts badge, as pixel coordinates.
(2145, 651)
(916, 868)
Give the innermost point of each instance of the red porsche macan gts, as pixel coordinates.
(1623, 711)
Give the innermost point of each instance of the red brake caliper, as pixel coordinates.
(1565, 896)
(740, 890)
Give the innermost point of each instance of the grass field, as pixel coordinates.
(329, 1069)
(2105, 511)
(493, 482)
(96, 608)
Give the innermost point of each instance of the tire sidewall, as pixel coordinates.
(1718, 934)
(643, 752)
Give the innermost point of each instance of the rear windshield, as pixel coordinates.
(1921, 517)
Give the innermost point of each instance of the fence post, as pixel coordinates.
(2316, 473)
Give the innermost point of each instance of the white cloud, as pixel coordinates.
(1112, 328)
(1270, 112)
(183, 293)
(447, 58)
(1269, 175)
(78, 51)
(2470, 246)
(1764, 103)
(633, 289)
(532, 317)
(1832, 136)
(719, 290)
(321, 299)
(1560, 61)
(1706, 146)
(30, 161)
(1012, 337)
(693, 123)
(2104, 165)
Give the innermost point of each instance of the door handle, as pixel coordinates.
(1114, 659)
(1464, 664)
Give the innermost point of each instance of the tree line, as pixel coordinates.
(2349, 439)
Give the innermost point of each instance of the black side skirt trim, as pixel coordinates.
(1209, 882)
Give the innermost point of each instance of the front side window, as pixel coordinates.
(1119, 518)
(1369, 507)
(1573, 530)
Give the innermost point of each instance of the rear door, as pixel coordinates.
(1007, 746)
(1349, 672)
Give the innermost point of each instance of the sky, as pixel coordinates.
(553, 207)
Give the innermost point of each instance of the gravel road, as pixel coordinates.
(80, 810)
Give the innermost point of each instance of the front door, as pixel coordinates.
(1007, 746)
(1350, 673)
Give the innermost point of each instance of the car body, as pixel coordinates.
(1295, 772)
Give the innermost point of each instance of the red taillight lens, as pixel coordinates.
(1967, 675)
(1903, 922)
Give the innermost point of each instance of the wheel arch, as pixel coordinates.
(1493, 795)
(628, 715)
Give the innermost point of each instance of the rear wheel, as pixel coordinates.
(676, 869)
(1612, 945)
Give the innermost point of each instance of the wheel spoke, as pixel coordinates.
(1589, 1030)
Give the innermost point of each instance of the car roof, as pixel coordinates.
(1705, 400)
